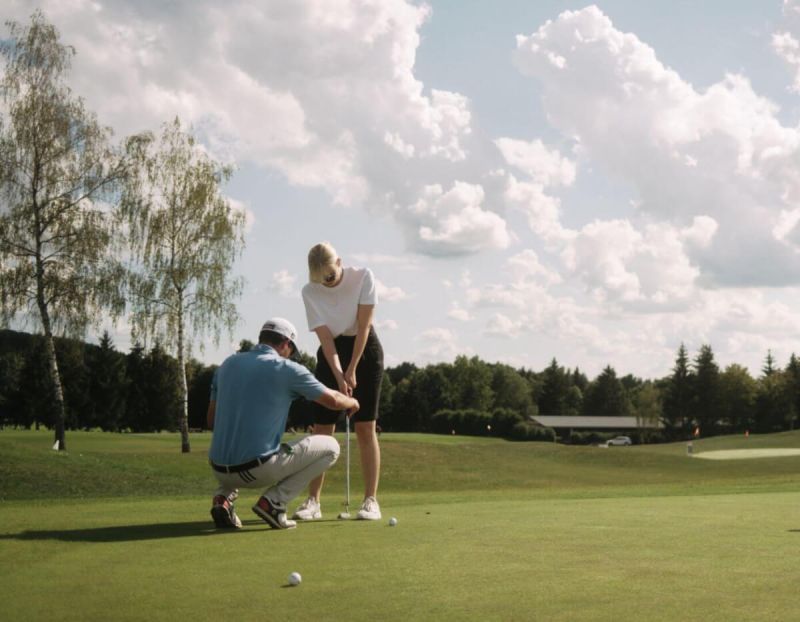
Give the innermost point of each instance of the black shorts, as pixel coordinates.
(369, 375)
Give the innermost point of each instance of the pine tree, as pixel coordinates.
(34, 395)
(793, 388)
(706, 399)
(678, 395)
(108, 385)
(162, 373)
(769, 365)
(136, 403)
(553, 396)
(606, 396)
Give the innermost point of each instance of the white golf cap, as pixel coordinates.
(282, 327)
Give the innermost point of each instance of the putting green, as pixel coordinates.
(660, 558)
(119, 529)
(746, 454)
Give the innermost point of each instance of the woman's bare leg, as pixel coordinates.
(370, 451)
(315, 487)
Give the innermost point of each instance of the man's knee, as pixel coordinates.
(328, 448)
(332, 447)
(323, 447)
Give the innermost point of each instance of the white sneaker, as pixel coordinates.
(309, 510)
(370, 510)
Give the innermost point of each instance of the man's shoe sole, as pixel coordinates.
(222, 518)
(270, 520)
(316, 516)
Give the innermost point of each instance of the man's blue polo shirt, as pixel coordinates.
(253, 391)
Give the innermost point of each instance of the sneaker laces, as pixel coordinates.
(370, 504)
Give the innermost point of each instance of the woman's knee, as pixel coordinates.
(365, 432)
(324, 428)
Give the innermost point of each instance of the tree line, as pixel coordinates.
(137, 392)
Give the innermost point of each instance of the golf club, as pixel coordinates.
(346, 514)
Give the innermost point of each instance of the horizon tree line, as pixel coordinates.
(140, 392)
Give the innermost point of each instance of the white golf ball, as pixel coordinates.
(392, 521)
(295, 578)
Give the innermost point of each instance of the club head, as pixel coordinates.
(344, 516)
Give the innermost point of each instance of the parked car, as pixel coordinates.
(620, 440)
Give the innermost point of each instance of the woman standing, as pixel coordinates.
(339, 305)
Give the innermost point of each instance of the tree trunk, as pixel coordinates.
(184, 392)
(58, 393)
(55, 379)
(52, 362)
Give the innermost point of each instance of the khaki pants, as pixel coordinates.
(287, 473)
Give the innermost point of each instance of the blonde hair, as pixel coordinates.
(321, 258)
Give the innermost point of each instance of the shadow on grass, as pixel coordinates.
(123, 533)
(131, 533)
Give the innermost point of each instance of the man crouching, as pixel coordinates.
(250, 398)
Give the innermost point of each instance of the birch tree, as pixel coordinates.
(56, 170)
(185, 237)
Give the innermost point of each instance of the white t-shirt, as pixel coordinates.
(337, 307)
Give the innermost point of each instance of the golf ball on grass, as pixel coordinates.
(392, 521)
(295, 578)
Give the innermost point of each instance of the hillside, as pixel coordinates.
(121, 465)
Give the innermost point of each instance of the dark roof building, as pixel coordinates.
(597, 423)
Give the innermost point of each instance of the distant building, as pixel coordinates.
(564, 426)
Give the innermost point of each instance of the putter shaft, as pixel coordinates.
(347, 466)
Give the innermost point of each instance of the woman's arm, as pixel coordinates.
(211, 414)
(332, 356)
(364, 321)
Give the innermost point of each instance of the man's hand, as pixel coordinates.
(353, 408)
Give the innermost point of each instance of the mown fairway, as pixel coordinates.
(118, 529)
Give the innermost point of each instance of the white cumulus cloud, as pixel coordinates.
(720, 154)
(389, 294)
(544, 166)
(387, 325)
(455, 221)
(503, 327)
(322, 92)
(283, 283)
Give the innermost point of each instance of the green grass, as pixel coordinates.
(118, 529)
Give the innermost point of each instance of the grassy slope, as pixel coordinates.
(107, 465)
(118, 530)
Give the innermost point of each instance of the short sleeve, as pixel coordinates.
(303, 383)
(313, 316)
(368, 295)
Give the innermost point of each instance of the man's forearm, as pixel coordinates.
(337, 401)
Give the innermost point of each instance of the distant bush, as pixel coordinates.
(504, 420)
(468, 421)
(527, 431)
(590, 437)
(653, 437)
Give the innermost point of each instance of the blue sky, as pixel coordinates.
(528, 180)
